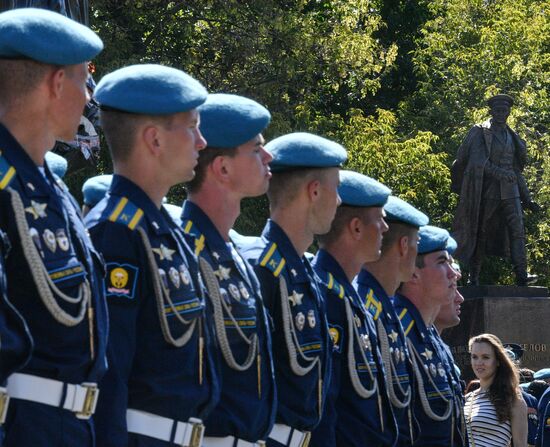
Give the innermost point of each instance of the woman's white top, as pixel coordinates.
(482, 423)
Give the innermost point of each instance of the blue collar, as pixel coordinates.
(274, 233)
(123, 187)
(325, 261)
(403, 301)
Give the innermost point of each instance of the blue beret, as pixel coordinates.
(397, 210)
(95, 188)
(231, 120)
(432, 239)
(150, 89)
(304, 150)
(359, 190)
(47, 37)
(524, 386)
(173, 210)
(542, 374)
(452, 245)
(56, 163)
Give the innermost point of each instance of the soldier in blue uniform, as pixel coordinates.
(376, 283)
(15, 340)
(433, 284)
(54, 275)
(357, 410)
(93, 190)
(543, 432)
(161, 380)
(233, 166)
(303, 200)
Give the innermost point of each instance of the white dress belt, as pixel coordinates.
(229, 441)
(187, 434)
(289, 436)
(80, 399)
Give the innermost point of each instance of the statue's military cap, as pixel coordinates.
(231, 120)
(359, 190)
(508, 100)
(46, 36)
(95, 188)
(304, 150)
(399, 211)
(56, 163)
(432, 239)
(149, 89)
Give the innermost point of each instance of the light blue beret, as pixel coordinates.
(359, 190)
(231, 120)
(56, 163)
(304, 150)
(149, 89)
(451, 245)
(173, 210)
(95, 188)
(397, 210)
(542, 374)
(47, 37)
(524, 386)
(432, 239)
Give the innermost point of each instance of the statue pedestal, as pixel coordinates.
(515, 314)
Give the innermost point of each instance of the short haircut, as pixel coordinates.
(284, 186)
(120, 130)
(344, 214)
(19, 77)
(206, 157)
(396, 230)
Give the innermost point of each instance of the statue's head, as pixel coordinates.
(500, 106)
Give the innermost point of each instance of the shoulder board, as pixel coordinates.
(272, 259)
(407, 321)
(334, 285)
(126, 213)
(191, 229)
(373, 304)
(7, 172)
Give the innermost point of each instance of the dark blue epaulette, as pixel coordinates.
(191, 229)
(332, 284)
(272, 259)
(126, 213)
(373, 304)
(407, 321)
(7, 172)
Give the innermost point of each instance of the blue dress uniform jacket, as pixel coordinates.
(543, 431)
(246, 409)
(160, 350)
(59, 294)
(15, 340)
(357, 411)
(302, 381)
(460, 435)
(433, 403)
(395, 353)
(532, 417)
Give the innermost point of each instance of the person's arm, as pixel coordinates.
(519, 422)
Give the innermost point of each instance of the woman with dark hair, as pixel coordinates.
(495, 413)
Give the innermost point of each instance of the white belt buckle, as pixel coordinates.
(197, 432)
(90, 401)
(4, 403)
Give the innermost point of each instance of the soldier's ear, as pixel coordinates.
(355, 226)
(152, 139)
(313, 189)
(403, 246)
(56, 81)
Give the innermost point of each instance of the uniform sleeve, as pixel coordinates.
(125, 287)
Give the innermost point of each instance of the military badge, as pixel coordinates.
(36, 239)
(296, 298)
(427, 354)
(234, 292)
(62, 239)
(174, 277)
(49, 240)
(433, 369)
(184, 275)
(393, 336)
(244, 290)
(311, 318)
(366, 342)
(357, 321)
(163, 278)
(223, 273)
(121, 280)
(37, 210)
(300, 321)
(164, 252)
(440, 369)
(397, 355)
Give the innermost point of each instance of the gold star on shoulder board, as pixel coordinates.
(222, 272)
(164, 252)
(427, 354)
(296, 298)
(393, 336)
(37, 209)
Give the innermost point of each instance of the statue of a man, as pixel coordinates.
(487, 173)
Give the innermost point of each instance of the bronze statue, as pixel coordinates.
(487, 173)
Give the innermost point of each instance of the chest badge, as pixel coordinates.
(296, 298)
(37, 210)
(62, 239)
(223, 273)
(174, 277)
(164, 252)
(49, 240)
(427, 354)
(311, 318)
(234, 292)
(300, 321)
(244, 290)
(184, 274)
(393, 336)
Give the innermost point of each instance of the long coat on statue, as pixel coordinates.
(467, 174)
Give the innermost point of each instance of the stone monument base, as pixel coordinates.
(515, 314)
